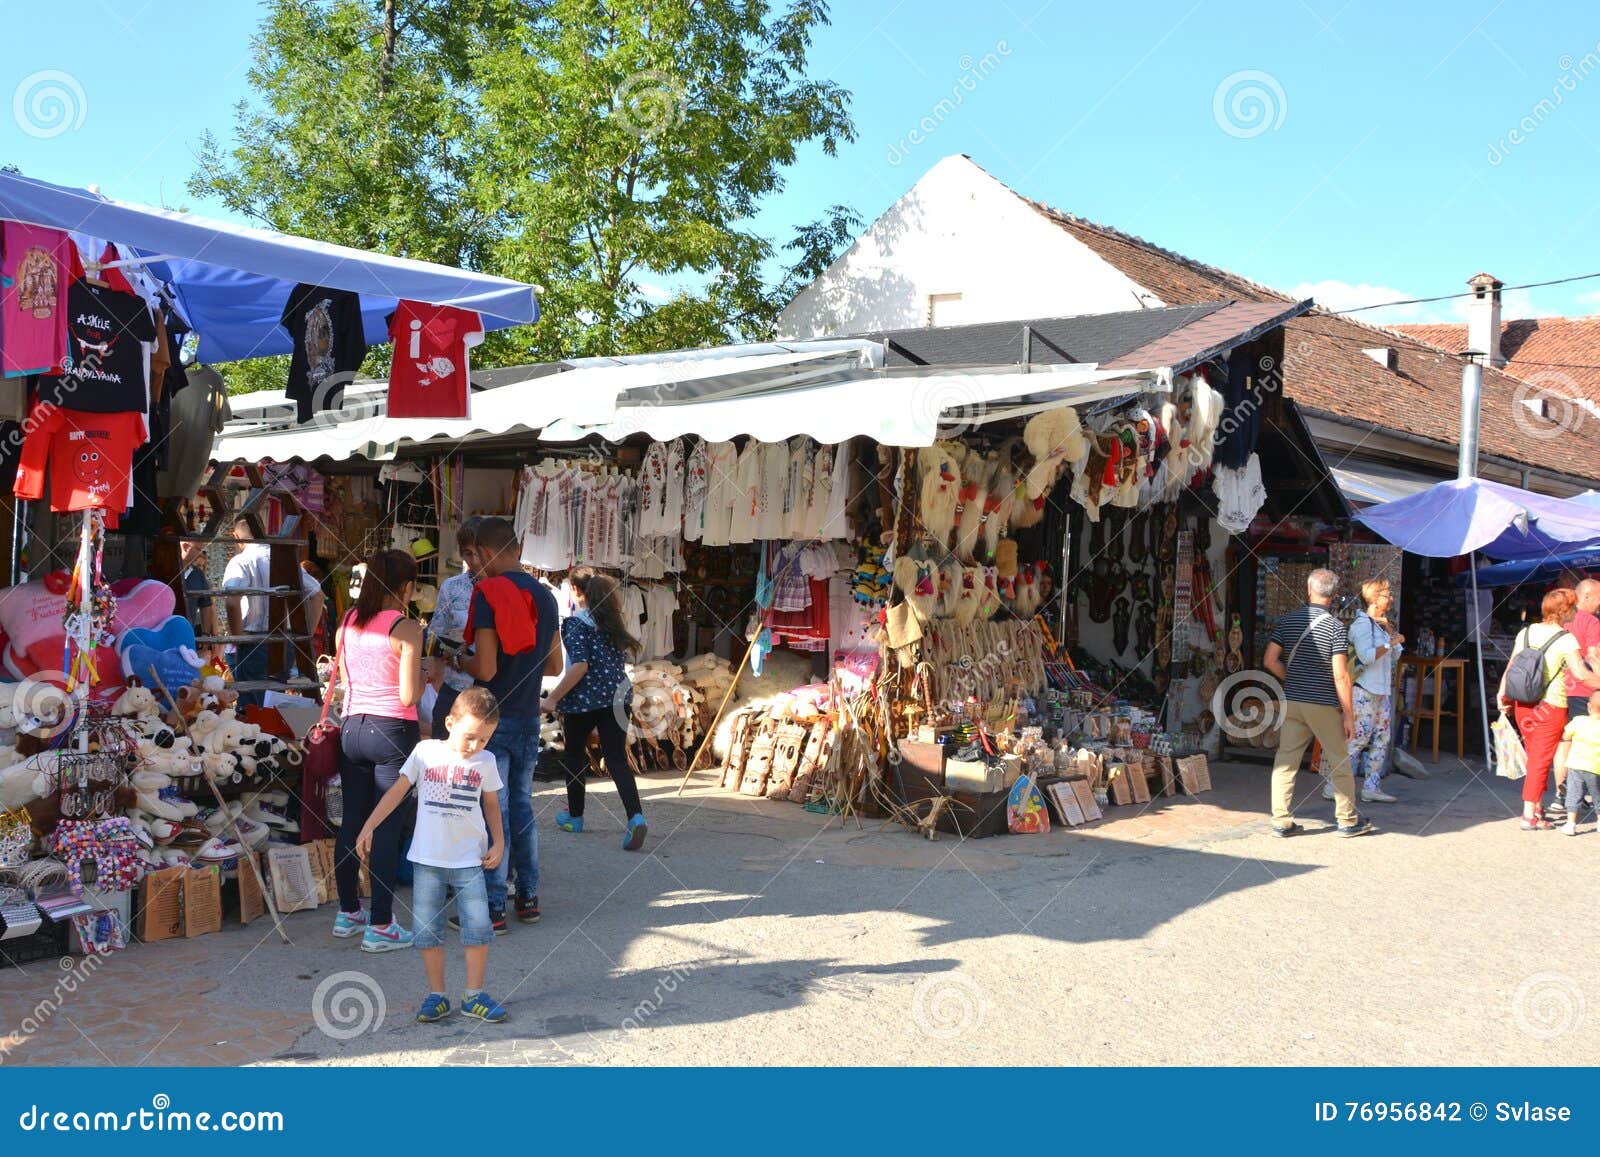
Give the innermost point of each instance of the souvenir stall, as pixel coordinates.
(127, 762)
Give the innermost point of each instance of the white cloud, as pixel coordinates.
(1342, 295)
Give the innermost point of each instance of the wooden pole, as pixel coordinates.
(711, 729)
(250, 855)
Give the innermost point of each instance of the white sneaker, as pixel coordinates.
(1377, 795)
(1327, 790)
(1570, 828)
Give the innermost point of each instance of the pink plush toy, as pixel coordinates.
(31, 614)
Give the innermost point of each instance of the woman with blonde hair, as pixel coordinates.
(1541, 724)
(1376, 646)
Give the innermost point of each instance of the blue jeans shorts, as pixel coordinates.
(430, 892)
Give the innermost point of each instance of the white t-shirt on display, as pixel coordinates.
(450, 830)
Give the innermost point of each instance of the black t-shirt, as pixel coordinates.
(107, 363)
(519, 678)
(328, 346)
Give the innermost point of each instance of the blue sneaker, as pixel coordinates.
(387, 938)
(348, 924)
(569, 823)
(434, 1007)
(637, 830)
(483, 1007)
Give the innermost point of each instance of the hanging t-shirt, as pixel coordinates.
(90, 457)
(33, 292)
(428, 374)
(325, 325)
(107, 360)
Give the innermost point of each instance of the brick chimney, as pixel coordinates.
(1483, 318)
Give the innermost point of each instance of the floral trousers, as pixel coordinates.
(1369, 749)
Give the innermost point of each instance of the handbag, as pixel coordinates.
(321, 764)
(1510, 757)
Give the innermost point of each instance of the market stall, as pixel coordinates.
(128, 759)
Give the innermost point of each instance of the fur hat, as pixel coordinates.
(1005, 558)
(1054, 438)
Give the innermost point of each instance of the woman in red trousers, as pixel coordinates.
(1541, 724)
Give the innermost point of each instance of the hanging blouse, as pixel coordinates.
(696, 481)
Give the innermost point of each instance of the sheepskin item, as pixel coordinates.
(949, 588)
(969, 599)
(991, 594)
(940, 493)
(1055, 438)
(1005, 558)
(1205, 412)
(976, 473)
(915, 578)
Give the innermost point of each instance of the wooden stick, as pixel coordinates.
(249, 853)
(711, 729)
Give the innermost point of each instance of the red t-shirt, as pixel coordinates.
(1586, 629)
(428, 374)
(90, 457)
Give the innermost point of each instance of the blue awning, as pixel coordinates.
(1474, 514)
(1527, 570)
(233, 281)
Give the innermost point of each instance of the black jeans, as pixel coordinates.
(576, 727)
(371, 751)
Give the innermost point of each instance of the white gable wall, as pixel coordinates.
(958, 230)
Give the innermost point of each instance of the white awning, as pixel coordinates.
(892, 409)
(1366, 483)
(586, 395)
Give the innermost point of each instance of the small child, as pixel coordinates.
(1581, 742)
(451, 849)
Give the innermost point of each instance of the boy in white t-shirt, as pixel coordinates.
(458, 788)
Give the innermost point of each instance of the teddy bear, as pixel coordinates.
(136, 702)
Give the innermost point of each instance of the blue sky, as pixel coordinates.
(1352, 151)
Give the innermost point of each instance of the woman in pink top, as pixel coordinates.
(380, 665)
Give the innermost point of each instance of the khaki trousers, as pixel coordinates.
(1303, 722)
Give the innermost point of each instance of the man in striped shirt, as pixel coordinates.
(1308, 654)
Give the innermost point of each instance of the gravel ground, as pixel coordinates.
(752, 933)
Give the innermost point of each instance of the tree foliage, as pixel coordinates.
(598, 150)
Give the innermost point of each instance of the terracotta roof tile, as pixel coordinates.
(1325, 369)
(1559, 354)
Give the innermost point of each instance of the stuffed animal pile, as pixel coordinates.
(170, 754)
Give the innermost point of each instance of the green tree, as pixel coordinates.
(589, 148)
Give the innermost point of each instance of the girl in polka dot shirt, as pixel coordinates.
(594, 694)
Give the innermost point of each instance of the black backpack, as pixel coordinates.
(1525, 678)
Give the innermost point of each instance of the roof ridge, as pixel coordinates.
(1060, 216)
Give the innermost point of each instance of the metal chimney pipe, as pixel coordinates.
(1471, 403)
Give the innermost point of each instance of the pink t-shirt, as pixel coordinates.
(33, 299)
(1585, 628)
